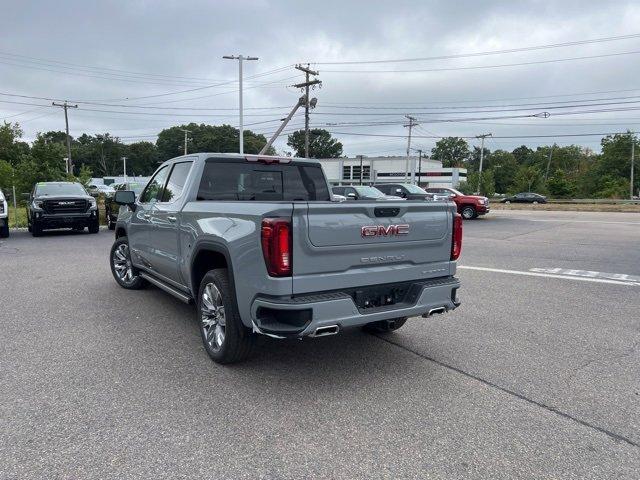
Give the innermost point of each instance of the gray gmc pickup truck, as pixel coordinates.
(258, 245)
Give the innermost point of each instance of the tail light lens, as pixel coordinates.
(456, 241)
(276, 246)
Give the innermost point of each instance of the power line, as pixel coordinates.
(480, 67)
(490, 52)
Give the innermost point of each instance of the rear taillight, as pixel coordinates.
(456, 240)
(276, 246)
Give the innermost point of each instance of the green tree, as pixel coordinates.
(321, 144)
(504, 167)
(11, 148)
(487, 185)
(7, 173)
(451, 151)
(206, 138)
(560, 186)
(142, 158)
(527, 179)
(523, 154)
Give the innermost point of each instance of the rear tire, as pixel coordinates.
(468, 213)
(125, 274)
(36, 229)
(385, 326)
(4, 230)
(224, 336)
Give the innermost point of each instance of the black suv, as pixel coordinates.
(404, 190)
(61, 205)
(111, 209)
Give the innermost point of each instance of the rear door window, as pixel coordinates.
(248, 181)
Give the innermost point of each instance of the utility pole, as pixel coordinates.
(307, 83)
(185, 139)
(419, 165)
(546, 174)
(412, 123)
(240, 59)
(633, 160)
(285, 121)
(483, 136)
(66, 106)
(124, 168)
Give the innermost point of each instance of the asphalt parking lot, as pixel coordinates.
(536, 375)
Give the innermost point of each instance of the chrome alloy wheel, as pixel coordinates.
(212, 317)
(122, 264)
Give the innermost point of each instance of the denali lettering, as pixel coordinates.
(387, 258)
(382, 231)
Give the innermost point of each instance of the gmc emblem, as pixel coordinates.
(382, 231)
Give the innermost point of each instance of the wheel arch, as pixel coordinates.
(208, 255)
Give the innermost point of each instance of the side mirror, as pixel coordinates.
(453, 195)
(351, 196)
(125, 197)
(398, 191)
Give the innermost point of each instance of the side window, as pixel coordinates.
(176, 182)
(155, 186)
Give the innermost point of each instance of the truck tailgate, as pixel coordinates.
(352, 244)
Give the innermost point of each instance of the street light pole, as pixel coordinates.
(240, 59)
(124, 167)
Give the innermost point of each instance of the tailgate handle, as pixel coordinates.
(386, 211)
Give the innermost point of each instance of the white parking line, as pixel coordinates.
(551, 275)
(580, 221)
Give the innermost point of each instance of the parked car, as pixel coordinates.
(4, 216)
(525, 197)
(61, 205)
(363, 192)
(112, 209)
(404, 190)
(96, 189)
(258, 245)
(469, 206)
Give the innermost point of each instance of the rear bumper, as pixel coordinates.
(303, 315)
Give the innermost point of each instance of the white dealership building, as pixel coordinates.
(425, 172)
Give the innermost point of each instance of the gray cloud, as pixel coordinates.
(187, 39)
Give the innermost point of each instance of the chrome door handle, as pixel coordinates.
(171, 218)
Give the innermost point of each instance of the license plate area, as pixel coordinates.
(382, 296)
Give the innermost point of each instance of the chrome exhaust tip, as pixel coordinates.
(435, 311)
(326, 330)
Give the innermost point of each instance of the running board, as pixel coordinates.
(167, 288)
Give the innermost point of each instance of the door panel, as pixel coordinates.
(164, 251)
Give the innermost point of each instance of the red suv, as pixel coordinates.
(469, 206)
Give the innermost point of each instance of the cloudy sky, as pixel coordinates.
(136, 67)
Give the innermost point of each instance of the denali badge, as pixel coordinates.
(382, 231)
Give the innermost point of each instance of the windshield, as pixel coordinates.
(415, 189)
(53, 189)
(369, 192)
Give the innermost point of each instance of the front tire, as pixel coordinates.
(125, 274)
(224, 336)
(94, 227)
(385, 326)
(4, 230)
(468, 213)
(36, 229)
